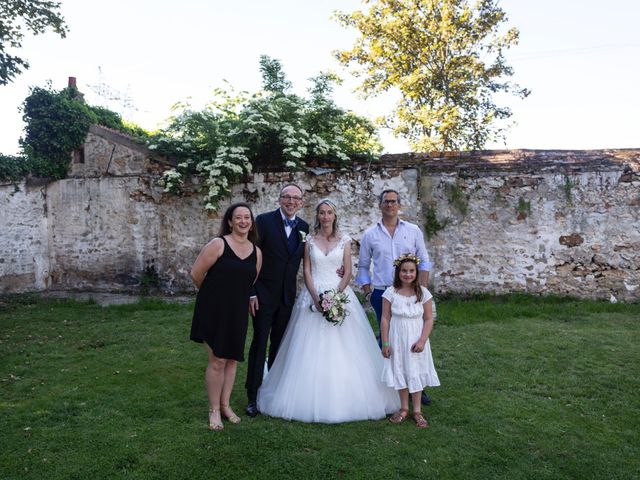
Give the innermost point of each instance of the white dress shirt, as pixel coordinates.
(383, 249)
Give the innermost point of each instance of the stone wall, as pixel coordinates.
(563, 223)
(24, 238)
(109, 152)
(570, 227)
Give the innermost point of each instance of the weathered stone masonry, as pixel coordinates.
(552, 222)
(566, 223)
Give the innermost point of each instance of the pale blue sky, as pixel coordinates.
(579, 58)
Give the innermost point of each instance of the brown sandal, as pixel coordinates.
(400, 416)
(230, 414)
(421, 422)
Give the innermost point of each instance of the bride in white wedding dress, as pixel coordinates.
(323, 372)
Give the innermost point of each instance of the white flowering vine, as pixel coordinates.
(239, 132)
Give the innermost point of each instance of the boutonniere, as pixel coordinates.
(303, 236)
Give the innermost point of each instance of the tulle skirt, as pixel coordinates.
(326, 373)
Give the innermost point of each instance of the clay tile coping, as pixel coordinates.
(520, 161)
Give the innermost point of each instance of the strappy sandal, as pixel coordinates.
(215, 425)
(421, 422)
(400, 416)
(230, 414)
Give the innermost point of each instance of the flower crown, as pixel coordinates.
(406, 257)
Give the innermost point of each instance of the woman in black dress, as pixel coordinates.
(224, 272)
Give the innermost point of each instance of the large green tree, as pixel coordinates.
(16, 17)
(446, 58)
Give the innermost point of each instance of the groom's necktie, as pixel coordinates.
(292, 239)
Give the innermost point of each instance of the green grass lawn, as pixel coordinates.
(532, 388)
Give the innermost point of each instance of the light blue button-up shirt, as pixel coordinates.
(383, 249)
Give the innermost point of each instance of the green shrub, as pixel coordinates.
(57, 122)
(13, 167)
(273, 128)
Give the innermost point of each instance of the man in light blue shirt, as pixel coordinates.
(382, 244)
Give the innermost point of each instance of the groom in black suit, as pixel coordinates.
(281, 239)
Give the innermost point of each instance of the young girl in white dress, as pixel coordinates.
(406, 324)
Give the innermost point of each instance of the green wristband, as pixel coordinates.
(386, 344)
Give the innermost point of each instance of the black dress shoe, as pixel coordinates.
(425, 399)
(252, 409)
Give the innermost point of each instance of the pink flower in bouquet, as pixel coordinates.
(333, 307)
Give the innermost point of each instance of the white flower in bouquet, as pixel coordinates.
(333, 304)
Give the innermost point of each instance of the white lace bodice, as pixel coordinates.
(323, 267)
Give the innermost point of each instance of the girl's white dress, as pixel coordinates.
(404, 368)
(325, 373)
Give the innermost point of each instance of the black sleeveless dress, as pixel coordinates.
(221, 315)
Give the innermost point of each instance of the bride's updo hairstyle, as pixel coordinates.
(316, 225)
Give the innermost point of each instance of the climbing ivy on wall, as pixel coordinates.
(433, 224)
(56, 124)
(13, 167)
(457, 198)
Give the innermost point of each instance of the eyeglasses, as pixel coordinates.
(390, 202)
(288, 198)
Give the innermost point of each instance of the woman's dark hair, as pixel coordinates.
(397, 283)
(225, 228)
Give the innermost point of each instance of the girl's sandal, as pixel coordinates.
(230, 414)
(400, 416)
(215, 424)
(421, 422)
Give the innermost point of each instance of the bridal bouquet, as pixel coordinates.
(333, 304)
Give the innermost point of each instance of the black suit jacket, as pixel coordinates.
(276, 283)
